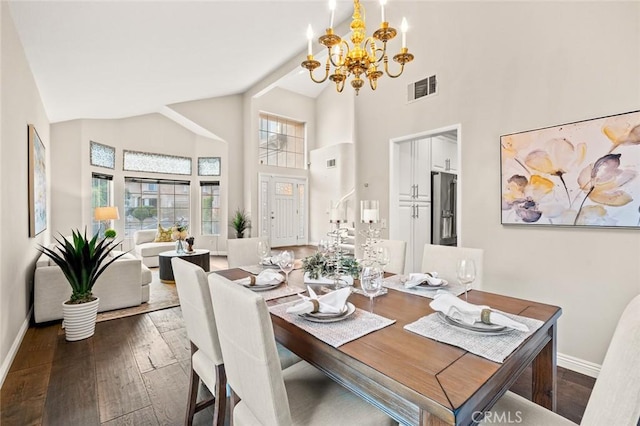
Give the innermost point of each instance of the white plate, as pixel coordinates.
(478, 327)
(350, 310)
(269, 265)
(261, 287)
(432, 287)
(325, 315)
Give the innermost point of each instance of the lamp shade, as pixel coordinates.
(106, 213)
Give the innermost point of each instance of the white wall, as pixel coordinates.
(71, 171)
(329, 184)
(335, 116)
(224, 117)
(504, 67)
(20, 105)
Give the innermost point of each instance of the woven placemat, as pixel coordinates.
(493, 347)
(358, 324)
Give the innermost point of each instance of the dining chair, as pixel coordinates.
(615, 399)
(397, 252)
(444, 260)
(243, 251)
(262, 393)
(206, 356)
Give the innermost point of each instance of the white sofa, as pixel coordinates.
(147, 250)
(124, 283)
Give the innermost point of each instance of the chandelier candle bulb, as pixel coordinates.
(403, 28)
(382, 3)
(309, 40)
(332, 8)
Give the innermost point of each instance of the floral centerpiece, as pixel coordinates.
(317, 265)
(179, 234)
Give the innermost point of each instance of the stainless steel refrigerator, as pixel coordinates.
(443, 209)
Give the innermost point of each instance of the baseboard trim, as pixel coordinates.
(579, 365)
(6, 363)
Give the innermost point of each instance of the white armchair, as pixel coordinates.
(147, 250)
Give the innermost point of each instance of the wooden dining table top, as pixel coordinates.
(418, 380)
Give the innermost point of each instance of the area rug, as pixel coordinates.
(161, 296)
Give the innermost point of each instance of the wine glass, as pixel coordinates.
(323, 246)
(371, 281)
(382, 256)
(263, 250)
(466, 274)
(285, 262)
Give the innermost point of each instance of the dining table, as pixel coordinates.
(417, 380)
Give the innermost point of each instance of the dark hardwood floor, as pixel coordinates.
(135, 371)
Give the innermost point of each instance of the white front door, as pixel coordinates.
(283, 212)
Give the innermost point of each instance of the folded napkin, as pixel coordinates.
(416, 279)
(469, 313)
(266, 277)
(330, 303)
(344, 279)
(271, 260)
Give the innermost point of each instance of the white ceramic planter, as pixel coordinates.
(79, 320)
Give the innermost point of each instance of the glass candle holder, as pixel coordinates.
(369, 211)
(337, 213)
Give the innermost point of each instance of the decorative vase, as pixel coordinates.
(79, 320)
(179, 247)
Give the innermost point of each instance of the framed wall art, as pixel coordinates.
(577, 174)
(37, 183)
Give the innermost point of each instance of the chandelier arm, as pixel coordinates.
(345, 54)
(326, 75)
(386, 68)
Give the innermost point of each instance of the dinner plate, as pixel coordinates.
(269, 265)
(432, 287)
(478, 327)
(261, 287)
(326, 315)
(350, 310)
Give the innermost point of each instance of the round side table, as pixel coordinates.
(198, 257)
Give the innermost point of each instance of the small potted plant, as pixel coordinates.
(240, 222)
(82, 261)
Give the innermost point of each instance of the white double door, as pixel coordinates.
(282, 205)
(410, 215)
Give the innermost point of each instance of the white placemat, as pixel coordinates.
(495, 348)
(336, 334)
(394, 282)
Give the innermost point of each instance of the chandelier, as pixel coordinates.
(363, 58)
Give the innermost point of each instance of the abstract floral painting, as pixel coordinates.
(37, 184)
(577, 174)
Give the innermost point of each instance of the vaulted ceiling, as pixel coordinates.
(111, 59)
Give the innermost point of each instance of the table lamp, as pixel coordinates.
(105, 214)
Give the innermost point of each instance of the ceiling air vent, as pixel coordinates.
(425, 87)
(331, 163)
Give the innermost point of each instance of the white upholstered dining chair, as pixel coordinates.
(207, 364)
(397, 252)
(615, 399)
(206, 357)
(262, 393)
(444, 260)
(243, 251)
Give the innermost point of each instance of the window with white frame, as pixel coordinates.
(152, 202)
(281, 142)
(101, 190)
(210, 207)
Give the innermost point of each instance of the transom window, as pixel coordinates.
(281, 142)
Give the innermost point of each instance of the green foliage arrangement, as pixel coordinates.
(316, 265)
(240, 222)
(82, 261)
(110, 233)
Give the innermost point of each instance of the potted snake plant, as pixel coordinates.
(82, 261)
(240, 222)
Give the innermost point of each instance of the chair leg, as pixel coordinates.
(220, 395)
(234, 399)
(194, 381)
